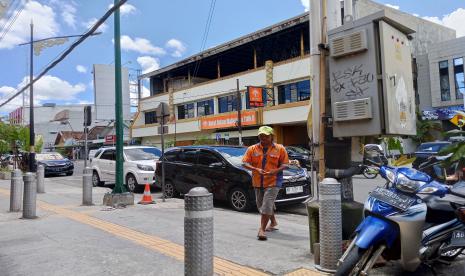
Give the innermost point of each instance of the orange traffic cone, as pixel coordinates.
(147, 198)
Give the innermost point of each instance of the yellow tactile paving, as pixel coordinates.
(165, 247)
(305, 272)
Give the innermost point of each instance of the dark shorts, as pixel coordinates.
(265, 200)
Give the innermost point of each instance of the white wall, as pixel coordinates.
(286, 115)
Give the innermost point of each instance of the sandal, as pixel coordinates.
(261, 237)
(271, 229)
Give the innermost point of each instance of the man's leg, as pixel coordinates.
(259, 193)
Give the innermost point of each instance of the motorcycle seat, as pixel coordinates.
(458, 189)
(439, 211)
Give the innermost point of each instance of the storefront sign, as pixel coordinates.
(255, 96)
(110, 139)
(442, 113)
(248, 117)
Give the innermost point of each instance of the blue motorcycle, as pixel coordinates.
(406, 220)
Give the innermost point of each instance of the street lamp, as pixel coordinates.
(36, 47)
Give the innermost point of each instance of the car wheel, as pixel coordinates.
(239, 200)
(170, 190)
(131, 183)
(96, 179)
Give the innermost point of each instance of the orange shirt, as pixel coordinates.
(276, 155)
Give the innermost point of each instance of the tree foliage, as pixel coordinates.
(425, 129)
(11, 134)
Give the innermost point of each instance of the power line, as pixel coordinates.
(11, 8)
(11, 23)
(205, 35)
(69, 50)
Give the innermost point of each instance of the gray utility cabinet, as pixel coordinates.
(371, 80)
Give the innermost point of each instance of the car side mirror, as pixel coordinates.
(216, 165)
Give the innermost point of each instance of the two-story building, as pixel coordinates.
(200, 91)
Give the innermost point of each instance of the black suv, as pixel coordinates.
(219, 169)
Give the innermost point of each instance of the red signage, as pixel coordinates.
(110, 139)
(255, 96)
(248, 117)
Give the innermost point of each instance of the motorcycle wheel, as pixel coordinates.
(366, 172)
(351, 262)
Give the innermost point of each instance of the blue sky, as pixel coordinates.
(155, 34)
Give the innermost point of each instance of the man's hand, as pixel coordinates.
(271, 172)
(260, 171)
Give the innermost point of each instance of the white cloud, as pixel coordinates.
(306, 4)
(125, 9)
(91, 22)
(45, 25)
(47, 88)
(81, 69)
(392, 6)
(452, 20)
(69, 14)
(415, 14)
(178, 48)
(148, 64)
(140, 45)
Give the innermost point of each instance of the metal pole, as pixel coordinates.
(239, 106)
(87, 187)
(86, 130)
(330, 224)
(31, 106)
(30, 196)
(119, 187)
(348, 9)
(40, 179)
(162, 124)
(198, 233)
(315, 39)
(16, 190)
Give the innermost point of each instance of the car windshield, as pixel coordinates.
(49, 156)
(234, 156)
(142, 154)
(298, 150)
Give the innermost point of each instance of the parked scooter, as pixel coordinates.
(397, 224)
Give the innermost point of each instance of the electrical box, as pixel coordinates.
(371, 79)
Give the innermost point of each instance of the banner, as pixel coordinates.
(255, 96)
(248, 117)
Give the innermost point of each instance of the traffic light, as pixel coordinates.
(87, 115)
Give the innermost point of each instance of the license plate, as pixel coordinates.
(294, 190)
(458, 238)
(396, 200)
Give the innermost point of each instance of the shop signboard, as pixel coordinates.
(248, 118)
(255, 96)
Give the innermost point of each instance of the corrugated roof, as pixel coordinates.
(233, 43)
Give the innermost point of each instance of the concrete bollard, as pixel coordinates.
(16, 191)
(198, 233)
(330, 224)
(40, 179)
(30, 196)
(87, 187)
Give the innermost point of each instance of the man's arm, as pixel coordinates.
(246, 162)
(252, 168)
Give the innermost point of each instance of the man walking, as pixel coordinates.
(266, 160)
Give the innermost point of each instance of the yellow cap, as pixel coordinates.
(265, 130)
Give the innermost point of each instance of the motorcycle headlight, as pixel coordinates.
(144, 168)
(407, 185)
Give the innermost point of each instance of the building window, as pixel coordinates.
(227, 104)
(444, 80)
(205, 108)
(150, 117)
(186, 111)
(459, 78)
(294, 92)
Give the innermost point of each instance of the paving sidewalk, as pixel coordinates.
(138, 240)
(147, 239)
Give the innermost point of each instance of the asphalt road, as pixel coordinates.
(362, 187)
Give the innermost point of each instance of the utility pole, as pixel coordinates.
(162, 124)
(239, 106)
(119, 185)
(32, 155)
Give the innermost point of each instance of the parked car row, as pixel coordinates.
(219, 169)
